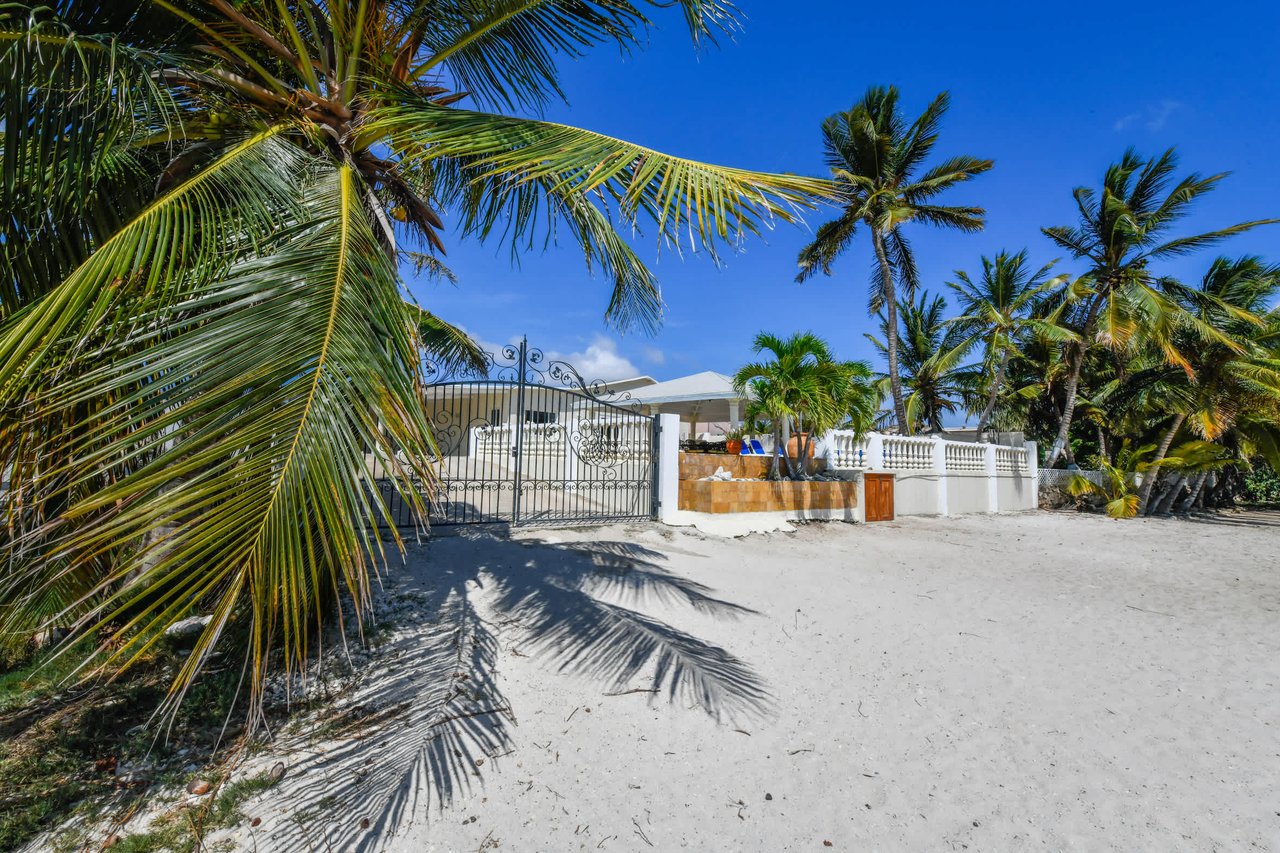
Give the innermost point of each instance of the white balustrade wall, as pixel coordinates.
(934, 476)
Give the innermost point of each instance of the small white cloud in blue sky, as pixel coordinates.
(653, 355)
(600, 360)
(1152, 117)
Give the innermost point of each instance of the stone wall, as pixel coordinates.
(821, 498)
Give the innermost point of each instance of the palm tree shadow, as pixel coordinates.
(419, 728)
(1253, 518)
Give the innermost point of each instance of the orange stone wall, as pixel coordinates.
(766, 495)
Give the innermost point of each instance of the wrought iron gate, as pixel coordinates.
(532, 442)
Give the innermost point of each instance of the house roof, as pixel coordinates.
(631, 383)
(707, 385)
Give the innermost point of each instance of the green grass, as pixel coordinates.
(41, 676)
(182, 828)
(60, 744)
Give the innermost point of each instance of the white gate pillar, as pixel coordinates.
(1032, 499)
(940, 468)
(993, 481)
(668, 467)
(874, 459)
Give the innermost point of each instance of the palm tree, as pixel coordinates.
(1231, 368)
(1000, 309)
(933, 350)
(803, 389)
(204, 349)
(1122, 230)
(1116, 489)
(875, 158)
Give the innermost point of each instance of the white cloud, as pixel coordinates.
(599, 361)
(1153, 117)
(653, 355)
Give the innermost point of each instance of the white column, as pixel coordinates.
(668, 465)
(874, 460)
(940, 469)
(993, 480)
(734, 423)
(1033, 476)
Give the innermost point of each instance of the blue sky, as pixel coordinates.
(1051, 93)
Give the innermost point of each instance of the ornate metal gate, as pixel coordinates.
(532, 442)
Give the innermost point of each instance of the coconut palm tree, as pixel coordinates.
(999, 310)
(932, 356)
(1123, 228)
(876, 158)
(205, 345)
(803, 389)
(1232, 367)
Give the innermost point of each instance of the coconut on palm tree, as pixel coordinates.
(1000, 310)
(1122, 229)
(803, 390)
(205, 343)
(878, 160)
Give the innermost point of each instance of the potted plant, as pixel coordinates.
(799, 443)
(733, 440)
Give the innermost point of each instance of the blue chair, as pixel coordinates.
(753, 448)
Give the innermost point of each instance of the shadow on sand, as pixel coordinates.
(428, 717)
(1263, 518)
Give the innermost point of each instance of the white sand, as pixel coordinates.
(1040, 681)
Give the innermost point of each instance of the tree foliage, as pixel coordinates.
(205, 345)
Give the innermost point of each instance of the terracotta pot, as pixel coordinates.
(733, 445)
(793, 445)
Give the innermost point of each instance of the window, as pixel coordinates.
(532, 416)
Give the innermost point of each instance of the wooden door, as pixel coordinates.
(878, 491)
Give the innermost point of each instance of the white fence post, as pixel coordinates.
(668, 467)
(1033, 473)
(993, 481)
(875, 452)
(940, 468)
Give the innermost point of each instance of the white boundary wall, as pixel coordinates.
(933, 476)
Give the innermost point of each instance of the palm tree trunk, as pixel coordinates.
(995, 394)
(1148, 482)
(775, 471)
(1209, 494)
(891, 333)
(1073, 386)
(1190, 500)
(1164, 503)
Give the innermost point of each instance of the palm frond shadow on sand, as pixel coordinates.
(428, 717)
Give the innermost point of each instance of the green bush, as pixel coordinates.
(1262, 485)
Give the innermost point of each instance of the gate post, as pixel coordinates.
(518, 450)
(940, 468)
(993, 477)
(668, 468)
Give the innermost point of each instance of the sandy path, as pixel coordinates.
(1039, 681)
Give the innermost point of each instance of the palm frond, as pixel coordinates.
(446, 347)
(713, 204)
(276, 388)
